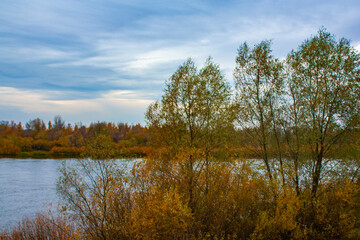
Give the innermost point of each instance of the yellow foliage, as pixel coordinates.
(8, 148)
(161, 215)
(280, 222)
(67, 150)
(25, 143)
(42, 144)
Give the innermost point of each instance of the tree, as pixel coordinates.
(56, 131)
(325, 78)
(36, 125)
(95, 193)
(36, 128)
(259, 87)
(192, 119)
(59, 123)
(293, 128)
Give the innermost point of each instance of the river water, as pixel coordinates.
(28, 186)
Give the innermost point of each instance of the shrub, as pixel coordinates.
(43, 226)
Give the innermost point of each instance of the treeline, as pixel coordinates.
(57, 139)
(298, 116)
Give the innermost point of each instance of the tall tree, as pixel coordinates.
(326, 76)
(259, 86)
(193, 116)
(293, 127)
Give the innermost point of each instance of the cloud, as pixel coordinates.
(110, 106)
(93, 57)
(125, 58)
(154, 45)
(34, 53)
(55, 18)
(35, 101)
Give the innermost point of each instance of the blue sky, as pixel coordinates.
(108, 60)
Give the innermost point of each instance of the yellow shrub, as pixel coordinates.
(161, 216)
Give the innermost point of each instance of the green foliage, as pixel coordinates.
(259, 87)
(195, 109)
(191, 121)
(100, 147)
(324, 76)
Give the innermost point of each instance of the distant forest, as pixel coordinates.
(57, 139)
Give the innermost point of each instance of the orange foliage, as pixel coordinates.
(42, 144)
(161, 215)
(137, 151)
(25, 143)
(43, 226)
(8, 148)
(67, 150)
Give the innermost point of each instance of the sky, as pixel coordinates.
(107, 60)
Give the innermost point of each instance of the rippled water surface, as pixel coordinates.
(27, 186)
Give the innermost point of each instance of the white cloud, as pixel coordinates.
(138, 58)
(35, 101)
(161, 56)
(34, 53)
(110, 106)
(157, 45)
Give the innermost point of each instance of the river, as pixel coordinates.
(28, 186)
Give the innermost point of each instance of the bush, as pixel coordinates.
(67, 151)
(42, 145)
(8, 148)
(24, 155)
(40, 154)
(43, 226)
(161, 215)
